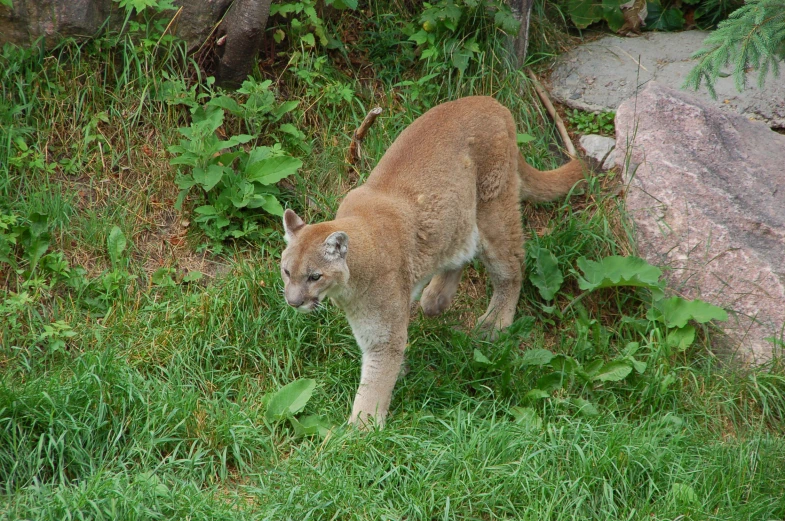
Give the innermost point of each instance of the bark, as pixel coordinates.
(239, 37)
(521, 10)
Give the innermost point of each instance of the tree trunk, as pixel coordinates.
(238, 39)
(518, 45)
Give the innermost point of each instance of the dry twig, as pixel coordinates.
(355, 151)
(554, 115)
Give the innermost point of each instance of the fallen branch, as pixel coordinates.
(355, 151)
(554, 115)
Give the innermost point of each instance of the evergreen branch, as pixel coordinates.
(750, 39)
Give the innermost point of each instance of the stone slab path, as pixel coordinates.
(599, 75)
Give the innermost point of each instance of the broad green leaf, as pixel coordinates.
(551, 381)
(290, 399)
(259, 153)
(39, 224)
(616, 271)
(228, 158)
(481, 359)
(310, 425)
(676, 311)
(226, 102)
(564, 364)
(139, 5)
(270, 171)
(614, 371)
(206, 120)
(640, 367)
(524, 138)
(241, 194)
(527, 417)
(611, 11)
(585, 407)
(506, 22)
(660, 19)
(290, 129)
(184, 182)
(210, 177)
(520, 328)
(420, 37)
(684, 495)
(37, 248)
(584, 12)
(345, 4)
(283, 108)
(538, 357)
(272, 205)
(545, 273)
(7, 3)
(234, 141)
(115, 244)
(206, 210)
(535, 394)
(681, 338)
(593, 367)
(308, 39)
(460, 59)
(187, 158)
(631, 348)
(163, 277)
(193, 276)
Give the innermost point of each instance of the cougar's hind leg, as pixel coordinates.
(438, 295)
(501, 252)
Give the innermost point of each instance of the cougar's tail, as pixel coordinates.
(538, 186)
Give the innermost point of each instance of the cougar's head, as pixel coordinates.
(313, 265)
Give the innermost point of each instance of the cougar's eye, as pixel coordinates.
(287, 272)
(315, 276)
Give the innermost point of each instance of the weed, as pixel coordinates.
(591, 123)
(229, 190)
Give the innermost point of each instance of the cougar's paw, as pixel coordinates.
(490, 327)
(366, 422)
(433, 303)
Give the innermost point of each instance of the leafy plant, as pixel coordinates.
(583, 13)
(453, 30)
(592, 123)
(663, 17)
(321, 80)
(55, 335)
(232, 179)
(289, 401)
(666, 329)
(143, 18)
(305, 23)
(30, 237)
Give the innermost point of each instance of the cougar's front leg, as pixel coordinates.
(382, 339)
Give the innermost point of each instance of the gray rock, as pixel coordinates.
(599, 75)
(707, 196)
(598, 148)
(610, 161)
(51, 20)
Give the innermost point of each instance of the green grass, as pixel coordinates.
(155, 407)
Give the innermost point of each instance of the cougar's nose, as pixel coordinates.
(295, 302)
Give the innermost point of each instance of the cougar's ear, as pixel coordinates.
(291, 224)
(336, 246)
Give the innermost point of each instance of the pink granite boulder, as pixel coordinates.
(706, 192)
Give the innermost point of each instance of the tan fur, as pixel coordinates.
(447, 189)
